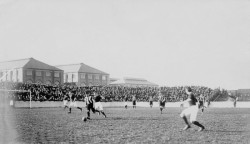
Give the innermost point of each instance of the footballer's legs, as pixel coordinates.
(186, 122)
(161, 109)
(88, 113)
(96, 110)
(193, 120)
(103, 113)
(199, 125)
(126, 106)
(65, 107)
(202, 110)
(69, 110)
(184, 117)
(79, 108)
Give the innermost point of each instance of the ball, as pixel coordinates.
(84, 119)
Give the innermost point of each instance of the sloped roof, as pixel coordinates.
(81, 67)
(133, 81)
(121, 81)
(70, 68)
(138, 79)
(27, 63)
(13, 64)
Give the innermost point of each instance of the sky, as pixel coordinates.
(167, 42)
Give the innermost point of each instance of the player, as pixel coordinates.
(89, 103)
(201, 103)
(73, 103)
(98, 105)
(126, 102)
(151, 101)
(65, 101)
(235, 101)
(134, 101)
(162, 101)
(191, 111)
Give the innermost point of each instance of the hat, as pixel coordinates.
(189, 89)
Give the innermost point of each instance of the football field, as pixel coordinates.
(140, 125)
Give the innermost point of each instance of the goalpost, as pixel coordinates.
(5, 90)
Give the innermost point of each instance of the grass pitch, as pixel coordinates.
(140, 125)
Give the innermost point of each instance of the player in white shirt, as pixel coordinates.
(191, 111)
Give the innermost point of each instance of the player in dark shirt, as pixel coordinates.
(162, 102)
(134, 101)
(201, 103)
(126, 102)
(191, 111)
(151, 101)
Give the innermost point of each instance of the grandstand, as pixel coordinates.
(126, 81)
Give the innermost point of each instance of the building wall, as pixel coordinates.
(90, 79)
(70, 77)
(82, 79)
(59, 79)
(39, 76)
(85, 79)
(47, 77)
(14, 75)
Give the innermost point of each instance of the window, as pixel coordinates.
(17, 75)
(103, 77)
(29, 72)
(29, 81)
(56, 74)
(82, 75)
(66, 77)
(97, 77)
(57, 82)
(11, 75)
(39, 82)
(83, 84)
(38, 73)
(89, 76)
(48, 82)
(48, 74)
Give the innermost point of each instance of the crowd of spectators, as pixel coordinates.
(41, 92)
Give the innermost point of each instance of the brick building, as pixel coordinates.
(30, 70)
(84, 75)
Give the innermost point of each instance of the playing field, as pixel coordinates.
(141, 125)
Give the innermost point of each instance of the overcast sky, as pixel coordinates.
(174, 42)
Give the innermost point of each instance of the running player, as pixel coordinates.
(151, 101)
(134, 101)
(162, 101)
(191, 111)
(98, 105)
(89, 103)
(72, 98)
